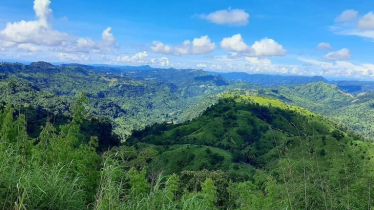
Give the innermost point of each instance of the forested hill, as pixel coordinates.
(245, 152)
(354, 110)
(277, 156)
(270, 80)
(130, 98)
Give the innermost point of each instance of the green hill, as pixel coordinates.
(245, 152)
(309, 162)
(354, 111)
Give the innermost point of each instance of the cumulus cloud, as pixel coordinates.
(235, 44)
(324, 46)
(139, 58)
(34, 32)
(163, 62)
(142, 58)
(268, 47)
(41, 8)
(39, 35)
(108, 37)
(367, 21)
(340, 68)
(159, 47)
(346, 16)
(230, 17)
(202, 45)
(264, 47)
(343, 54)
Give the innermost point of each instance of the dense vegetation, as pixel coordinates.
(242, 153)
(355, 111)
(278, 156)
(59, 151)
(130, 99)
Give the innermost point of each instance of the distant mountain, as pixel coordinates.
(127, 68)
(354, 86)
(269, 80)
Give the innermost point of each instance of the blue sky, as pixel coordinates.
(306, 37)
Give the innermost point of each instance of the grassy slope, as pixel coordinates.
(249, 132)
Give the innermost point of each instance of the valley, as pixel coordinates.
(210, 142)
(186, 105)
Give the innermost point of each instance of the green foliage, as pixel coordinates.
(297, 159)
(354, 111)
(130, 99)
(53, 173)
(245, 152)
(338, 135)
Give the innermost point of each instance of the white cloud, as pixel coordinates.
(201, 65)
(369, 66)
(163, 62)
(142, 58)
(352, 69)
(324, 46)
(343, 54)
(310, 67)
(231, 17)
(251, 65)
(235, 44)
(85, 43)
(41, 8)
(350, 31)
(363, 27)
(34, 32)
(360, 33)
(28, 47)
(139, 58)
(316, 62)
(64, 18)
(340, 68)
(268, 47)
(257, 61)
(39, 35)
(346, 16)
(367, 21)
(159, 47)
(264, 47)
(108, 37)
(202, 45)
(81, 57)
